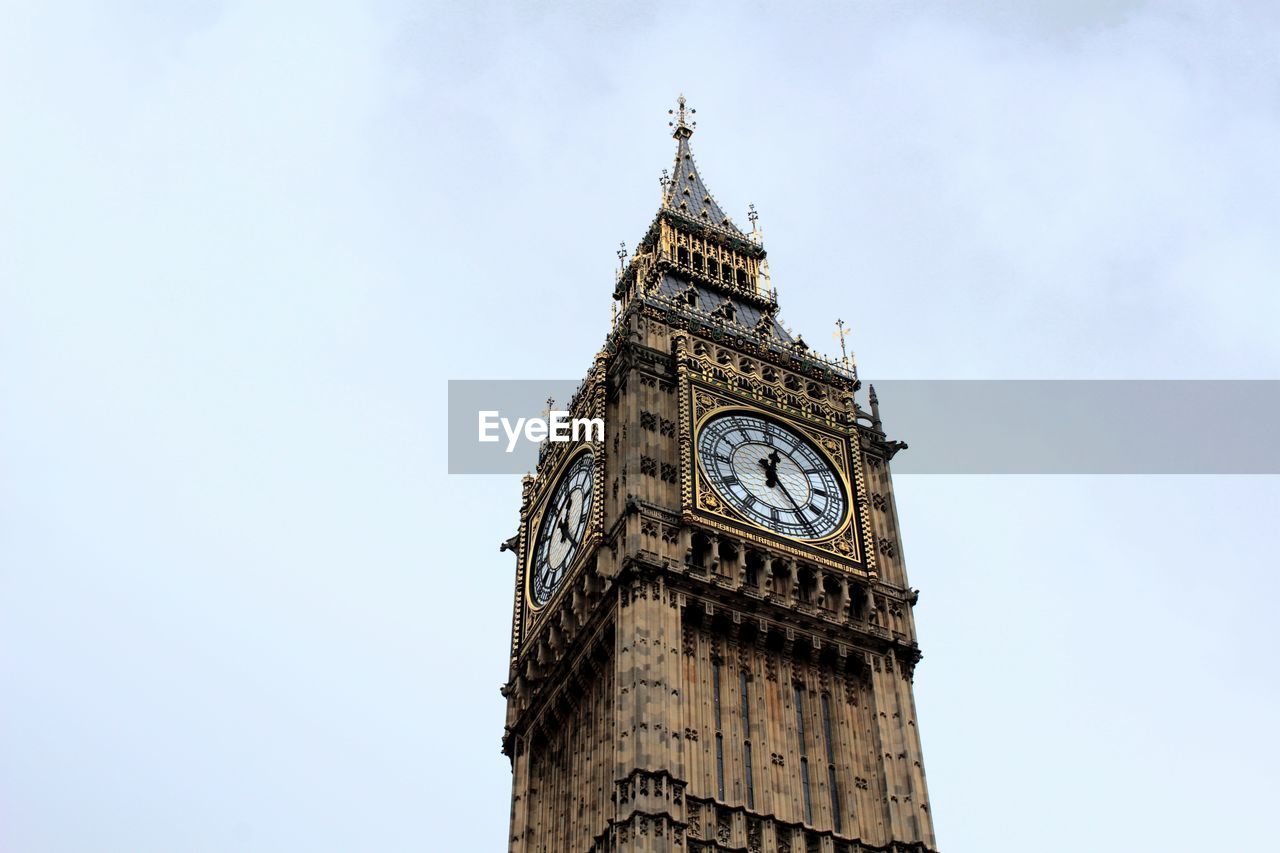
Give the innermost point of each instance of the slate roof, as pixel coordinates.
(710, 301)
(688, 196)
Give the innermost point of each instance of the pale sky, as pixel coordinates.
(244, 246)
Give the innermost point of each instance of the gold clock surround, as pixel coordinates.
(705, 492)
(590, 538)
(845, 548)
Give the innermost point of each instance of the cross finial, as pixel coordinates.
(622, 254)
(752, 215)
(683, 127)
(551, 405)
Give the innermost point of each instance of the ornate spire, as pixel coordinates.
(692, 250)
(684, 192)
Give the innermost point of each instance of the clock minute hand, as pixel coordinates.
(799, 514)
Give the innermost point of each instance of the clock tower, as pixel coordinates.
(712, 645)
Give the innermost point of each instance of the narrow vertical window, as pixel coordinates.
(746, 739)
(835, 797)
(832, 781)
(799, 696)
(804, 760)
(715, 690)
(804, 782)
(719, 766)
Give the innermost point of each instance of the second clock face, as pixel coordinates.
(564, 525)
(772, 475)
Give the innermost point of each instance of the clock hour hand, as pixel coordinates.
(770, 466)
(563, 523)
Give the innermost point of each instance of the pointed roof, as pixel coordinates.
(685, 193)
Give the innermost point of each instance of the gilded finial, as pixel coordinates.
(622, 256)
(683, 127)
(840, 334)
(756, 235)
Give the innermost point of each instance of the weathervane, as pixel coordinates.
(680, 122)
(839, 334)
(551, 404)
(622, 256)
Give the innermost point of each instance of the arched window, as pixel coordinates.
(831, 592)
(806, 583)
(781, 578)
(755, 562)
(701, 546)
(728, 553)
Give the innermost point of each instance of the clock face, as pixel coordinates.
(772, 475)
(560, 535)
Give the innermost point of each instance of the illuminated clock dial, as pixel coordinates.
(772, 475)
(561, 532)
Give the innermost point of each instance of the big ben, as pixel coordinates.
(713, 644)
